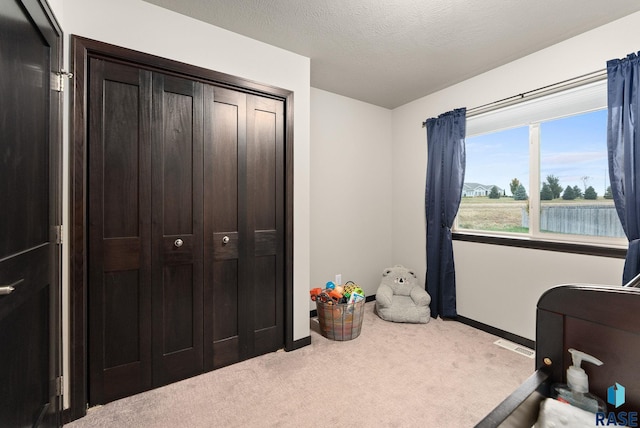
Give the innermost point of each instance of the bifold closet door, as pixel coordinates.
(186, 228)
(225, 224)
(177, 230)
(265, 218)
(119, 295)
(145, 230)
(244, 226)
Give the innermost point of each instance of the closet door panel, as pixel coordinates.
(265, 188)
(266, 328)
(263, 154)
(225, 145)
(119, 231)
(177, 229)
(178, 301)
(122, 302)
(225, 320)
(178, 157)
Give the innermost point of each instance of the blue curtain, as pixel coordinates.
(623, 147)
(445, 177)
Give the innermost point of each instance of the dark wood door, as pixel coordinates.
(119, 231)
(145, 230)
(265, 223)
(29, 184)
(244, 226)
(225, 227)
(177, 229)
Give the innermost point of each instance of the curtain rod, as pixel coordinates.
(536, 93)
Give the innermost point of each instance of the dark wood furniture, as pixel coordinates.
(603, 321)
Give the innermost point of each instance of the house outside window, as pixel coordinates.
(539, 169)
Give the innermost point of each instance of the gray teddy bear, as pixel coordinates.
(400, 298)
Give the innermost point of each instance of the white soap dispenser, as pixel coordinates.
(576, 390)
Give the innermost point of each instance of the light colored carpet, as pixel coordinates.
(441, 374)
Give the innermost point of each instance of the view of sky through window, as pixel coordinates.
(571, 149)
(495, 159)
(574, 149)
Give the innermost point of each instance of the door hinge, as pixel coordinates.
(59, 386)
(57, 80)
(59, 234)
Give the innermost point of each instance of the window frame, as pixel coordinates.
(571, 243)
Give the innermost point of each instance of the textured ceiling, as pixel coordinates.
(390, 52)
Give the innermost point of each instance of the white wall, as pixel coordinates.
(144, 27)
(507, 299)
(350, 190)
(57, 6)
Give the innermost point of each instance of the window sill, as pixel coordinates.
(562, 247)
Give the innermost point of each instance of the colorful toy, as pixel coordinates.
(356, 297)
(335, 295)
(324, 298)
(349, 293)
(352, 287)
(314, 293)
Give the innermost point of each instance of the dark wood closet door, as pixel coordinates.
(244, 218)
(30, 53)
(177, 229)
(145, 231)
(225, 214)
(182, 184)
(119, 231)
(186, 182)
(265, 223)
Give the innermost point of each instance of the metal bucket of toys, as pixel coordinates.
(340, 321)
(340, 310)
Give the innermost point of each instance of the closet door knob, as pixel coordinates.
(178, 243)
(225, 240)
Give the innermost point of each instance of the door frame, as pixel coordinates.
(81, 50)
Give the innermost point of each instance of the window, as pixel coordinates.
(492, 161)
(539, 169)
